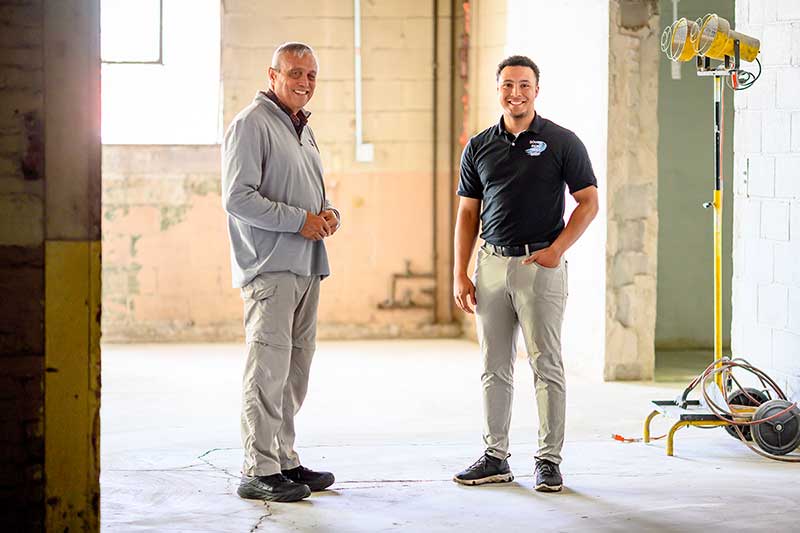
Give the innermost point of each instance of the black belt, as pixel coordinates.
(516, 250)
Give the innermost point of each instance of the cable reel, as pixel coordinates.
(779, 433)
(747, 397)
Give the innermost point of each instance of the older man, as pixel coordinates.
(278, 216)
(513, 177)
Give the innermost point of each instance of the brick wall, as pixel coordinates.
(21, 265)
(766, 246)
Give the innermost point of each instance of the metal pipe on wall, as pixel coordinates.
(434, 159)
(364, 152)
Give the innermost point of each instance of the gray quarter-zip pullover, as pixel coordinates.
(270, 179)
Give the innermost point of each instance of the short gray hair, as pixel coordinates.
(296, 48)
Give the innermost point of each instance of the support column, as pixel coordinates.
(632, 190)
(72, 265)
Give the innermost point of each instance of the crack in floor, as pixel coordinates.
(215, 467)
(173, 469)
(262, 518)
(216, 450)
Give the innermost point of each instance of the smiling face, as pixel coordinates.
(517, 88)
(294, 81)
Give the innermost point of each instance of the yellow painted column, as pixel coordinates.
(72, 385)
(71, 61)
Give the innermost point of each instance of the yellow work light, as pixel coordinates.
(706, 39)
(717, 40)
(677, 41)
(709, 37)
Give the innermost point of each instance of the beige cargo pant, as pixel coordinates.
(512, 296)
(280, 320)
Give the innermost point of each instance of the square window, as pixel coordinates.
(130, 31)
(176, 99)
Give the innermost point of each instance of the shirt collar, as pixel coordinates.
(535, 126)
(301, 115)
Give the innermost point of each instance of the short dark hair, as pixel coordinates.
(518, 61)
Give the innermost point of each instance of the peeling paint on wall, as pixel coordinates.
(113, 211)
(171, 215)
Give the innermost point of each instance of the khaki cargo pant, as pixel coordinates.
(512, 296)
(280, 320)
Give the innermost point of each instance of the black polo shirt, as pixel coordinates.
(521, 181)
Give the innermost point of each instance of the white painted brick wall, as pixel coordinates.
(787, 176)
(788, 87)
(795, 144)
(775, 221)
(773, 305)
(760, 261)
(762, 99)
(788, 10)
(747, 131)
(787, 265)
(785, 348)
(793, 324)
(760, 176)
(766, 243)
(758, 12)
(795, 38)
(777, 45)
(776, 131)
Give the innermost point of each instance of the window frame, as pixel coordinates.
(160, 59)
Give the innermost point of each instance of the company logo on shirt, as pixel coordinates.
(537, 147)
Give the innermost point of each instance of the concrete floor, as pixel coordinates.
(394, 421)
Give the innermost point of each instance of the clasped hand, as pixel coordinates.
(317, 227)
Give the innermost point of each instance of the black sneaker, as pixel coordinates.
(315, 480)
(487, 469)
(548, 476)
(274, 488)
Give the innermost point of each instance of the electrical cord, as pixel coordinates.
(743, 79)
(732, 413)
(726, 367)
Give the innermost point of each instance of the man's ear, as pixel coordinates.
(271, 74)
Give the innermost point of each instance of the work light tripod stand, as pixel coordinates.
(691, 412)
(764, 414)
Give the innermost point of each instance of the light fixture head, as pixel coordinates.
(678, 40)
(716, 40)
(710, 36)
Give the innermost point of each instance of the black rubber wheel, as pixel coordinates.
(738, 397)
(780, 435)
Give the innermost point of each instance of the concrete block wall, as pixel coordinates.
(166, 264)
(766, 245)
(21, 266)
(387, 203)
(488, 49)
(166, 271)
